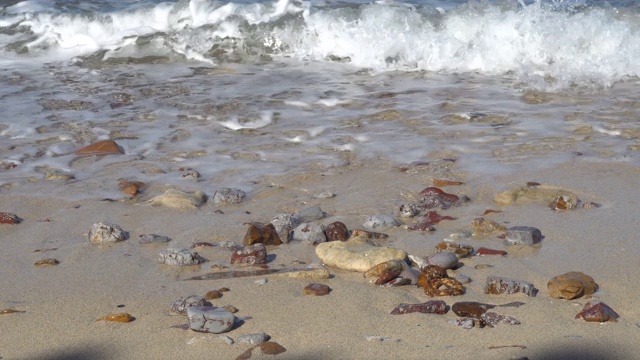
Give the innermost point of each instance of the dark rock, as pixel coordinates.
(430, 307)
(597, 311)
(9, 218)
(471, 309)
(317, 289)
(263, 234)
(336, 231)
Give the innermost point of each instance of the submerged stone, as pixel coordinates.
(484, 252)
(103, 147)
(484, 227)
(542, 194)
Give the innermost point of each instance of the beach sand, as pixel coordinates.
(61, 303)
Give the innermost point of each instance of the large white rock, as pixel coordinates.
(356, 254)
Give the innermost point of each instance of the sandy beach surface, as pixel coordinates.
(61, 303)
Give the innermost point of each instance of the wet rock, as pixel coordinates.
(317, 289)
(502, 285)
(254, 339)
(484, 227)
(408, 210)
(459, 250)
(104, 233)
(380, 222)
(445, 260)
(210, 319)
(284, 225)
(523, 235)
(47, 262)
(228, 196)
(492, 319)
(180, 257)
(542, 194)
(130, 188)
(180, 306)
(336, 231)
(436, 282)
(356, 254)
(309, 214)
(433, 197)
(119, 317)
(177, 199)
(9, 218)
(563, 202)
(484, 252)
(311, 232)
(471, 309)
(265, 348)
(571, 285)
(597, 311)
(261, 234)
(250, 255)
(103, 147)
(430, 307)
(153, 238)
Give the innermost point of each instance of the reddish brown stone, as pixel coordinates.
(263, 234)
(317, 289)
(386, 276)
(266, 348)
(484, 251)
(471, 309)
(430, 307)
(46, 262)
(213, 294)
(490, 211)
(250, 255)
(103, 147)
(433, 197)
(597, 311)
(131, 188)
(9, 218)
(336, 231)
(437, 182)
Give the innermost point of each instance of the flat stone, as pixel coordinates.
(255, 254)
(210, 319)
(180, 306)
(180, 257)
(317, 289)
(356, 254)
(571, 285)
(309, 214)
(178, 199)
(9, 218)
(380, 222)
(104, 233)
(261, 234)
(492, 319)
(253, 339)
(213, 294)
(130, 188)
(501, 285)
(228, 196)
(310, 232)
(103, 147)
(523, 235)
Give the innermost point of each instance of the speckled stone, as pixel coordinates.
(180, 257)
(105, 233)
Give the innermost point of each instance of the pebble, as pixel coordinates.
(230, 308)
(430, 307)
(47, 262)
(309, 214)
(210, 319)
(312, 272)
(446, 260)
(571, 285)
(213, 294)
(261, 234)
(102, 233)
(178, 199)
(484, 252)
(459, 250)
(395, 266)
(336, 231)
(179, 307)
(180, 257)
(228, 196)
(597, 311)
(153, 238)
(483, 266)
(523, 235)
(310, 232)
(433, 197)
(265, 348)
(9, 218)
(356, 254)
(103, 147)
(380, 222)
(484, 227)
(119, 317)
(250, 255)
(563, 202)
(471, 309)
(284, 224)
(502, 285)
(317, 289)
(253, 339)
(324, 195)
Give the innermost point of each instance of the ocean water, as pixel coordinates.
(239, 90)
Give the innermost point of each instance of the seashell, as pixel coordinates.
(102, 233)
(119, 317)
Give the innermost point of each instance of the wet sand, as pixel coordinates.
(62, 302)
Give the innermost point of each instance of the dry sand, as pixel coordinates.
(62, 302)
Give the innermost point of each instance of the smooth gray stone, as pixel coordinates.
(210, 319)
(228, 195)
(380, 222)
(309, 214)
(180, 257)
(311, 232)
(445, 260)
(253, 339)
(523, 235)
(181, 305)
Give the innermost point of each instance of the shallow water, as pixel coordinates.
(236, 91)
